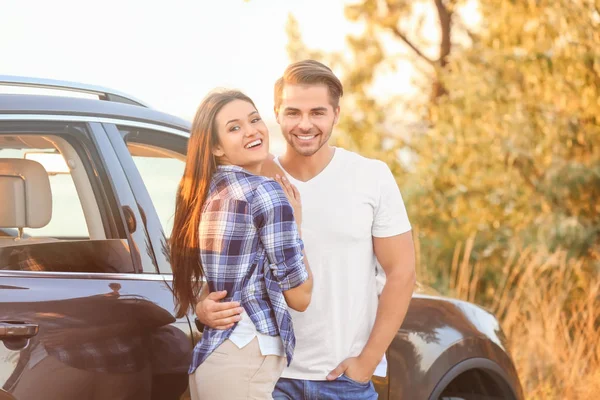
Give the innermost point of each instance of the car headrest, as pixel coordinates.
(25, 195)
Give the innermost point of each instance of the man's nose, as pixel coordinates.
(305, 123)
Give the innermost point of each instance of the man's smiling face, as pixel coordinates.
(306, 117)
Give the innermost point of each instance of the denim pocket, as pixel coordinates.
(345, 377)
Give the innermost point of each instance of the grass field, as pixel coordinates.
(549, 308)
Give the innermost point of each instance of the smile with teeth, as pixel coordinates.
(306, 137)
(255, 143)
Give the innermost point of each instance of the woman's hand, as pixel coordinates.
(270, 168)
(293, 195)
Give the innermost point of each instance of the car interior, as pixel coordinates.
(47, 199)
(25, 197)
(62, 190)
(38, 173)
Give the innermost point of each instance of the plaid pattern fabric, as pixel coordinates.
(249, 246)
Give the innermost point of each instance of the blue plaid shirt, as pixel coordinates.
(249, 246)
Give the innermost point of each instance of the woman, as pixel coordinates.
(239, 231)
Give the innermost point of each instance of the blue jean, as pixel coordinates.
(343, 388)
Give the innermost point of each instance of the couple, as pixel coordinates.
(275, 326)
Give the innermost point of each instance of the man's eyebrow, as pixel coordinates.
(235, 120)
(312, 109)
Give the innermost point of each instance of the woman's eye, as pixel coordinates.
(234, 128)
(255, 120)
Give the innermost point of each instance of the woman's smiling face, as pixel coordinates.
(243, 136)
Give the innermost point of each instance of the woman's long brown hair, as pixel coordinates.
(200, 166)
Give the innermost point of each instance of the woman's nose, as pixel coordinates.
(251, 131)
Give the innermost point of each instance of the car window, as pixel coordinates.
(71, 233)
(161, 176)
(68, 220)
(160, 160)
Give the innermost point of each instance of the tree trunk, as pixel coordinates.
(445, 18)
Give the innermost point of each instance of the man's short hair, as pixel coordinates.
(310, 72)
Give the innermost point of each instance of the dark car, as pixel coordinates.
(87, 193)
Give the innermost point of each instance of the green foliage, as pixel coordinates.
(509, 149)
(514, 147)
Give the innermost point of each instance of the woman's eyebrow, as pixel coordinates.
(237, 119)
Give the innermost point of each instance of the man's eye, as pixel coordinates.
(291, 113)
(318, 113)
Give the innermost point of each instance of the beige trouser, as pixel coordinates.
(231, 373)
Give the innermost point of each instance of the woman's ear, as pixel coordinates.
(217, 151)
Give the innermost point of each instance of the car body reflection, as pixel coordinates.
(99, 337)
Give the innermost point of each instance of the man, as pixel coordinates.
(353, 216)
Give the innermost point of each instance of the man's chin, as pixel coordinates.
(306, 152)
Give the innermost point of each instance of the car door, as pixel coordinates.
(84, 311)
(153, 159)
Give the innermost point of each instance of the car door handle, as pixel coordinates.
(17, 330)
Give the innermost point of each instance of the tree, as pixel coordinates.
(514, 148)
(395, 18)
(509, 145)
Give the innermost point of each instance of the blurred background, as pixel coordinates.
(487, 112)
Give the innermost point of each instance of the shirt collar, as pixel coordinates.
(232, 168)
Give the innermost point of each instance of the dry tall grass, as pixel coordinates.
(549, 308)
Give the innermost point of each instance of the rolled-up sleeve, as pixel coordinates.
(274, 220)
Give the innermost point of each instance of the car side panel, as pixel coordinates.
(437, 334)
(104, 332)
(98, 338)
(498, 364)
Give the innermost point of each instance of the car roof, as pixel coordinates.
(58, 105)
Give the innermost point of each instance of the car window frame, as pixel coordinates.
(153, 225)
(79, 137)
(140, 244)
(89, 139)
(175, 146)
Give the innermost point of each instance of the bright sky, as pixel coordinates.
(169, 54)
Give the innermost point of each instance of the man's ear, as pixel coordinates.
(337, 115)
(276, 111)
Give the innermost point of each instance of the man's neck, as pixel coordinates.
(304, 168)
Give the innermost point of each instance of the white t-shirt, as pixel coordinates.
(245, 331)
(352, 200)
